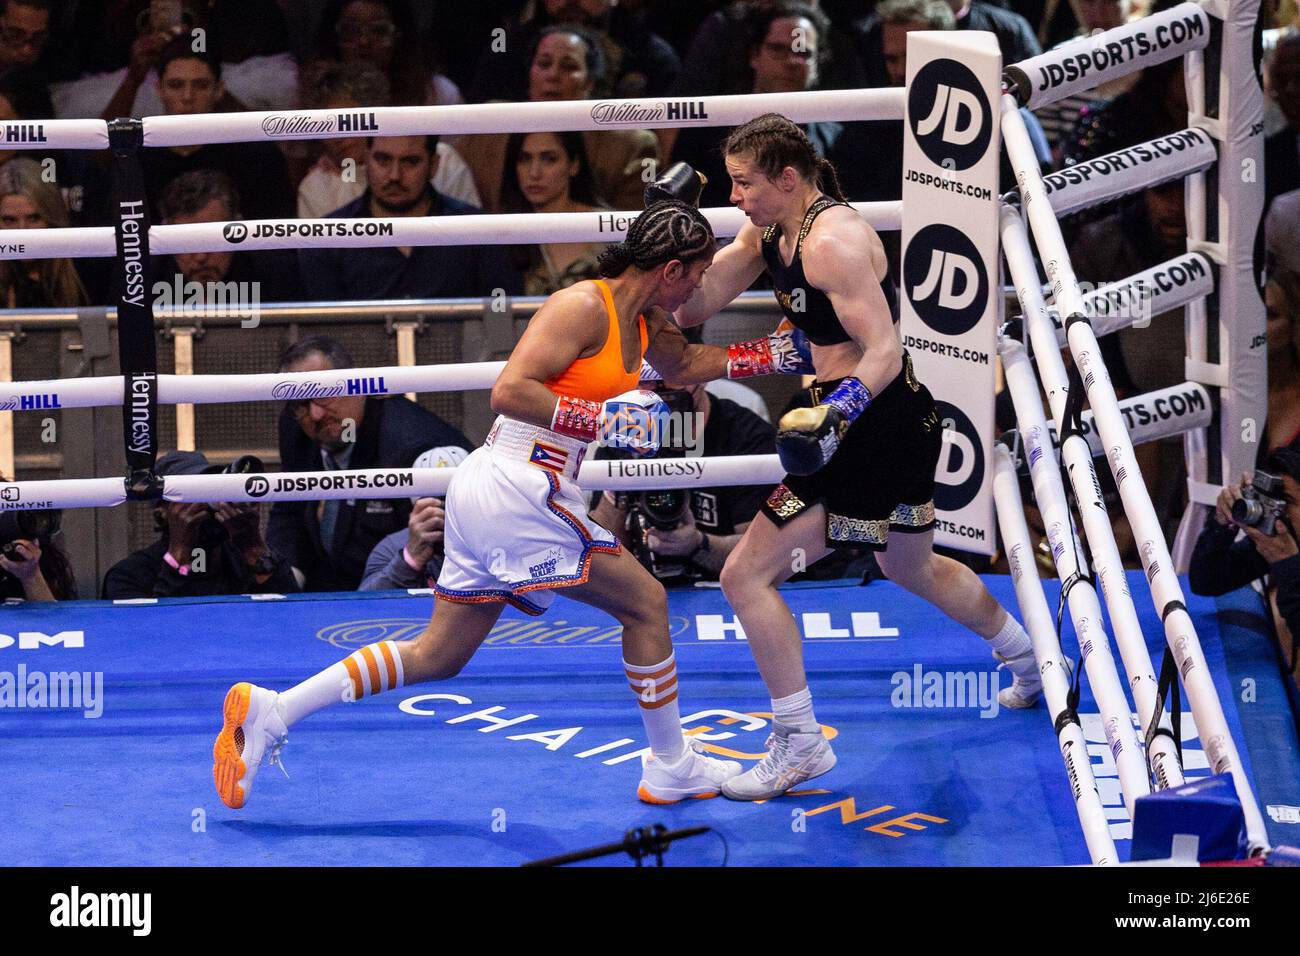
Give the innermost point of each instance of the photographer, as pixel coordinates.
(32, 566)
(412, 557)
(1266, 506)
(685, 535)
(204, 548)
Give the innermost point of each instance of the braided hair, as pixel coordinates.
(666, 230)
(775, 142)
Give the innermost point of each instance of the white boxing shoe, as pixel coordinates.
(791, 759)
(1026, 682)
(252, 728)
(695, 775)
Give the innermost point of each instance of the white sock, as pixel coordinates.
(796, 712)
(655, 686)
(374, 668)
(1012, 640)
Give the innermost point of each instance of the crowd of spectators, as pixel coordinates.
(75, 59)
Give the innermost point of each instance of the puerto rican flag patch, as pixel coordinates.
(548, 457)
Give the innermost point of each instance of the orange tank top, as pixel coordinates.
(602, 376)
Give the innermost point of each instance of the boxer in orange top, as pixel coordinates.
(517, 526)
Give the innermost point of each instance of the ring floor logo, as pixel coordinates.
(950, 116)
(945, 280)
(960, 474)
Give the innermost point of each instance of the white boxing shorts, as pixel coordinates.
(516, 522)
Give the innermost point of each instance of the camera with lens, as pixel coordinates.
(243, 465)
(661, 510)
(25, 525)
(1262, 503)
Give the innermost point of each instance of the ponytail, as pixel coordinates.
(613, 261)
(828, 181)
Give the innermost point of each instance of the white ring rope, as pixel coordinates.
(1152, 416)
(478, 229)
(54, 134)
(1069, 561)
(1130, 170)
(530, 117)
(1166, 590)
(1092, 510)
(732, 110)
(1090, 62)
(1173, 284)
(1047, 651)
(106, 391)
(365, 483)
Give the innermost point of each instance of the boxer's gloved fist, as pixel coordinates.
(630, 421)
(806, 438)
(680, 182)
(784, 352)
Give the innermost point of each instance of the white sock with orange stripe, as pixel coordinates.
(655, 686)
(374, 668)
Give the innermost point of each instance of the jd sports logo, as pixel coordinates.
(235, 232)
(950, 115)
(945, 280)
(256, 487)
(960, 474)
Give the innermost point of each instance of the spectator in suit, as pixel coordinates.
(893, 21)
(718, 60)
(328, 542)
(1015, 37)
(398, 170)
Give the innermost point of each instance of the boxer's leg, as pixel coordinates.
(909, 560)
(618, 585)
(255, 718)
(766, 556)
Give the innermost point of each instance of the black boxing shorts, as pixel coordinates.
(881, 478)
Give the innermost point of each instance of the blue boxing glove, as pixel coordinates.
(806, 438)
(633, 421)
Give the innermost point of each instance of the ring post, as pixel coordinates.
(950, 284)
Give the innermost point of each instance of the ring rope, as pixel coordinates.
(479, 229)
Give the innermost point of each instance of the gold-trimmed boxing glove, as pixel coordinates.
(806, 438)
